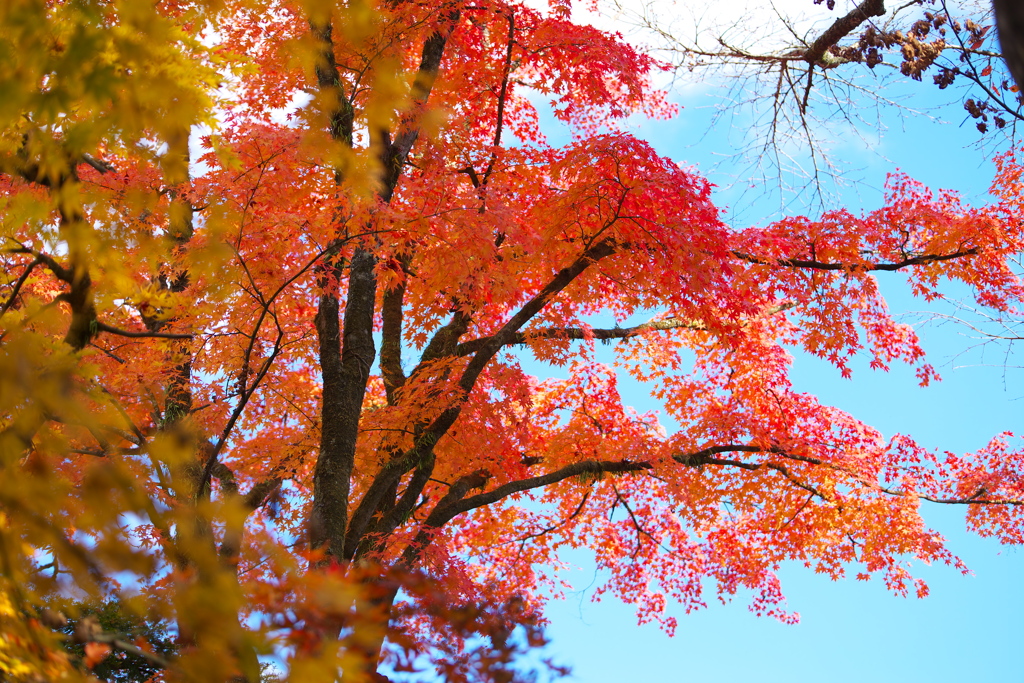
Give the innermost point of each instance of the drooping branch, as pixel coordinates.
(555, 527)
(638, 527)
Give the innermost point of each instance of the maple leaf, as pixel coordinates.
(95, 653)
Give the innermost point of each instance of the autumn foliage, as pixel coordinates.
(271, 272)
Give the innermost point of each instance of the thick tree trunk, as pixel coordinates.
(1010, 22)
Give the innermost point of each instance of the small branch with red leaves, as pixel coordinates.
(88, 630)
(554, 527)
(640, 530)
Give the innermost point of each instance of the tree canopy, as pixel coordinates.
(270, 268)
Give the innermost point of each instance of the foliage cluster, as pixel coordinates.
(214, 212)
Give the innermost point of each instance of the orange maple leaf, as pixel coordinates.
(95, 653)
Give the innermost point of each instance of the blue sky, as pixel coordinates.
(969, 628)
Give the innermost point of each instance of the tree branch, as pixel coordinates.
(562, 279)
(502, 97)
(115, 641)
(345, 378)
(19, 284)
(704, 457)
(841, 28)
(62, 273)
(99, 165)
(455, 503)
(103, 327)
(341, 116)
(821, 265)
(395, 153)
(577, 333)
(391, 337)
(445, 341)
(427, 437)
(448, 509)
(245, 394)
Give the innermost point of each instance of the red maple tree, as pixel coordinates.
(196, 417)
